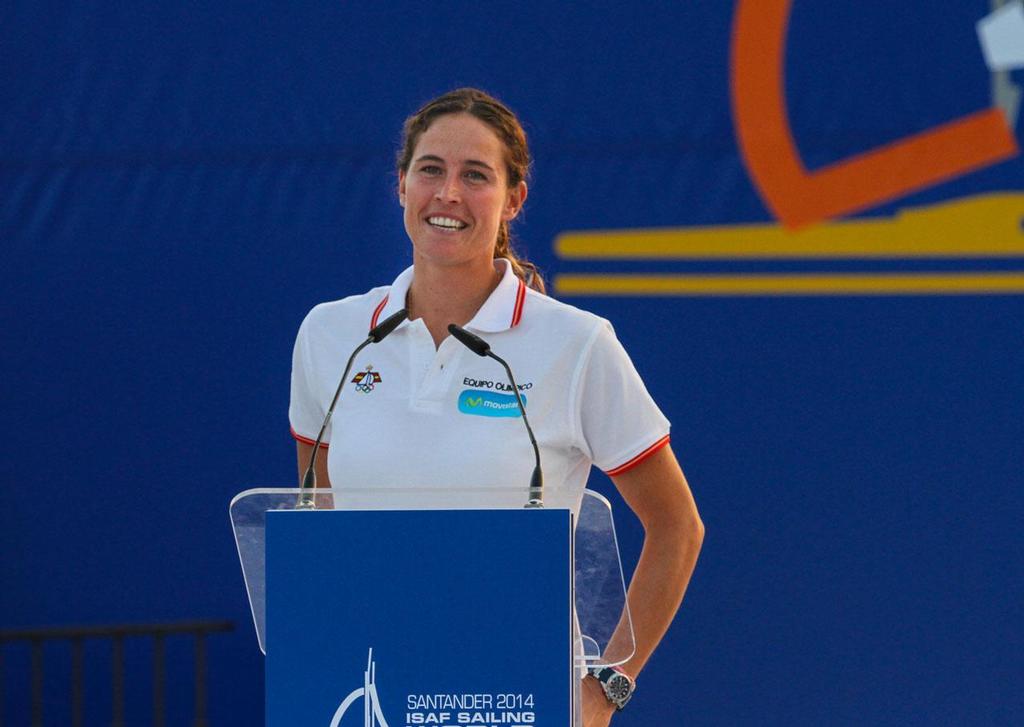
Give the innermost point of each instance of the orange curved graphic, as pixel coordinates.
(799, 197)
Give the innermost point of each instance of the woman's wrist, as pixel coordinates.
(614, 684)
(596, 691)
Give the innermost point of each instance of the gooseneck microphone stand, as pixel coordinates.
(377, 334)
(481, 348)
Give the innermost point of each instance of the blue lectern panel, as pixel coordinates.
(467, 614)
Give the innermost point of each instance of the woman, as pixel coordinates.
(462, 180)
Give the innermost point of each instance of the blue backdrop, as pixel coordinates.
(181, 182)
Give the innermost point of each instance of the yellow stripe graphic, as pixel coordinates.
(794, 284)
(982, 226)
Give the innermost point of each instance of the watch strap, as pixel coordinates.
(604, 675)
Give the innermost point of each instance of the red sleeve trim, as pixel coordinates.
(376, 312)
(626, 466)
(517, 311)
(306, 440)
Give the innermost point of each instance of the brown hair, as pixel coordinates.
(504, 123)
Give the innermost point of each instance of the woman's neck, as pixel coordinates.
(448, 295)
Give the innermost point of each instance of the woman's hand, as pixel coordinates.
(597, 711)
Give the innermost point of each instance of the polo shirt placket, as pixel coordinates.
(438, 367)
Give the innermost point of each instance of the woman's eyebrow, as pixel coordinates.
(477, 163)
(468, 162)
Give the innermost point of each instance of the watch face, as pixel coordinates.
(618, 688)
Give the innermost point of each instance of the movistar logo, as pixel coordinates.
(489, 403)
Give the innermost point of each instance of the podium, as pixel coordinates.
(399, 606)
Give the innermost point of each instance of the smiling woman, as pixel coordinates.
(462, 180)
(457, 196)
(513, 159)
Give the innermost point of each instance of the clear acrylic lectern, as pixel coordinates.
(602, 631)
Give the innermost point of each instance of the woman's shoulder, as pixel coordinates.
(350, 311)
(546, 312)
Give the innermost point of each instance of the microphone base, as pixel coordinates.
(306, 501)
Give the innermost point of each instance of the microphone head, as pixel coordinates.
(471, 341)
(379, 332)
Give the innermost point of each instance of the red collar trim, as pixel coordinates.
(517, 311)
(376, 312)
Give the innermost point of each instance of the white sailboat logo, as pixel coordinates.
(372, 715)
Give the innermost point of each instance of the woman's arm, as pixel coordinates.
(303, 452)
(657, 492)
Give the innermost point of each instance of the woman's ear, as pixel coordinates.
(514, 202)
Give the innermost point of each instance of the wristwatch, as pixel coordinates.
(617, 685)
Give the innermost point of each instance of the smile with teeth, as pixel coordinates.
(446, 223)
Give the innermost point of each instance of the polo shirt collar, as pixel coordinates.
(502, 310)
(394, 301)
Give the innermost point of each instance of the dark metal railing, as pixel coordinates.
(117, 634)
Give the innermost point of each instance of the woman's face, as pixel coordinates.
(456, 194)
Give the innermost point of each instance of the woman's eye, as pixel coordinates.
(476, 176)
(430, 169)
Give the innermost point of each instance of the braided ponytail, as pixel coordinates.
(523, 268)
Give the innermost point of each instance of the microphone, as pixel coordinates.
(481, 348)
(471, 341)
(383, 329)
(377, 334)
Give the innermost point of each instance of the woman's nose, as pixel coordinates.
(448, 190)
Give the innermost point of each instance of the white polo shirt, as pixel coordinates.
(411, 415)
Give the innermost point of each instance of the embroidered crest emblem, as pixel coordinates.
(366, 380)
